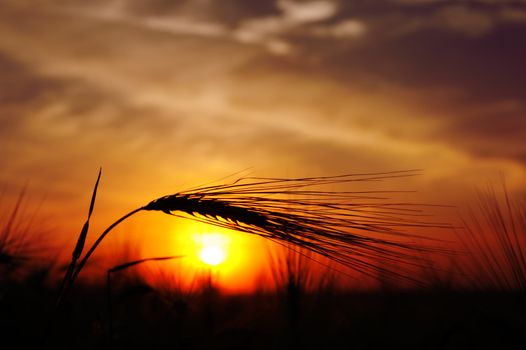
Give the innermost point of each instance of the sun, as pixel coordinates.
(212, 255)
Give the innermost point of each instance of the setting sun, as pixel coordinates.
(212, 255)
(212, 248)
(281, 173)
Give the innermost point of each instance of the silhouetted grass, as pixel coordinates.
(79, 246)
(122, 267)
(22, 240)
(351, 228)
(152, 317)
(13, 237)
(292, 277)
(494, 237)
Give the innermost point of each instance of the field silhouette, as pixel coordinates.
(477, 302)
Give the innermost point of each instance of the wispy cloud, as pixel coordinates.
(168, 93)
(307, 11)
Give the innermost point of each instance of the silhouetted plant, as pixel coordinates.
(292, 277)
(122, 267)
(494, 237)
(19, 246)
(79, 246)
(348, 227)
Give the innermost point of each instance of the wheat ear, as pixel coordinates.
(347, 227)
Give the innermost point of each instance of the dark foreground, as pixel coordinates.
(143, 318)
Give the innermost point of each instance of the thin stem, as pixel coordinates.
(90, 252)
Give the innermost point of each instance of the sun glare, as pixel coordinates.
(212, 255)
(212, 248)
(222, 253)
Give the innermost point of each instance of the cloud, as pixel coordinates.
(185, 26)
(157, 97)
(489, 130)
(349, 28)
(224, 12)
(56, 130)
(513, 15)
(270, 31)
(307, 11)
(285, 27)
(464, 20)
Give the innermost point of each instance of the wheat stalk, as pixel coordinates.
(79, 246)
(493, 236)
(347, 227)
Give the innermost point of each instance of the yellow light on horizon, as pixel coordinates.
(212, 255)
(235, 264)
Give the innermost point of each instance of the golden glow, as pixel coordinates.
(212, 248)
(212, 255)
(244, 258)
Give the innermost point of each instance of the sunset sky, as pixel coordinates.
(170, 94)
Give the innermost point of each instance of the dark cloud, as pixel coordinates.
(229, 12)
(480, 71)
(20, 92)
(374, 84)
(234, 11)
(488, 67)
(467, 74)
(489, 131)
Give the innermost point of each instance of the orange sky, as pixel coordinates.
(169, 95)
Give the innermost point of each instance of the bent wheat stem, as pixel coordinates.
(94, 246)
(351, 228)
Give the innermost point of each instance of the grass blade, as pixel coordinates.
(79, 246)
